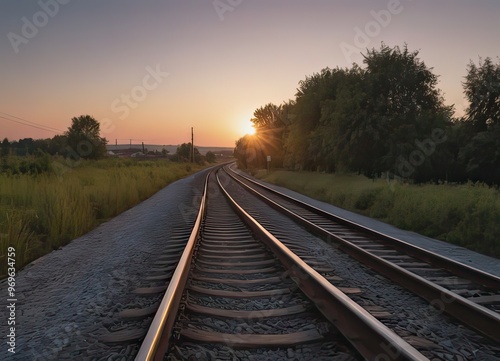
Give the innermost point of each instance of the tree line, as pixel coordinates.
(82, 140)
(387, 118)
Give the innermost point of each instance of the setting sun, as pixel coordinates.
(248, 128)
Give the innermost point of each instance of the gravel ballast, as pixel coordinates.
(411, 316)
(66, 298)
(457, 253)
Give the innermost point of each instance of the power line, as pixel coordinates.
(46, 128)
(29, 123)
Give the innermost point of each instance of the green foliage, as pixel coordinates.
(466, 215)
(365, 120)
(403, 105)
(305, 117)
(184, 154)
(482, 89)
(210, 157)
(24, 147)
(270, 123)
(245, 152)
(481, 153)
(266, 116)
(366, 199)
(84, 140)
(41, 213)
(32, 165)
(383, 118)
(16, 232)
(481, 156)
(338, 143)
(5, 148)
(58, 145)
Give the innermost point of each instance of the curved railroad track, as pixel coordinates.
(466, 293)
(240, 286)
(237, 287)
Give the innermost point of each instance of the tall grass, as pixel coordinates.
(44, 212)
(467, 215)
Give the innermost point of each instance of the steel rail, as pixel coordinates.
(370, 337)
(156, 342)
(477, 276)
(476, 316)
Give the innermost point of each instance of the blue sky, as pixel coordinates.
(150, 70)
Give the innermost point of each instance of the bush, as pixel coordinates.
(32, 165)
(40, 212)
(366, 199)
(466, 215)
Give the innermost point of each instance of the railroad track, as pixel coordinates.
(238, 292)
(467, 294)
(242, 287)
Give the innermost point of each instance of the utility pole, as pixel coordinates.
(192, 145)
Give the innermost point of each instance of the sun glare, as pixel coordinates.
(249, 128)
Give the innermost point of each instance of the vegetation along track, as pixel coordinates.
(470, 295)
(239, 293)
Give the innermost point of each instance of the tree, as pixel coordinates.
(248, 153)
(183, 153)
(210, 157)
(403, 106)
(266, 116)
(83, 138)
(269, 122)
(370, 120)
(25, 146)
(57, 145)
(41, 145)
(5, 147)
(337, 142)
(365, 120)
(305, 116)
(481, 153)
(482, 89)
(481, 156)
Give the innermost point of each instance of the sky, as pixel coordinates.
(150, 70)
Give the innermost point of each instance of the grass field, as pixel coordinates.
(467, 215)
(44, 212)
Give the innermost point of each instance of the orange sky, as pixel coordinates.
(151, 70)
